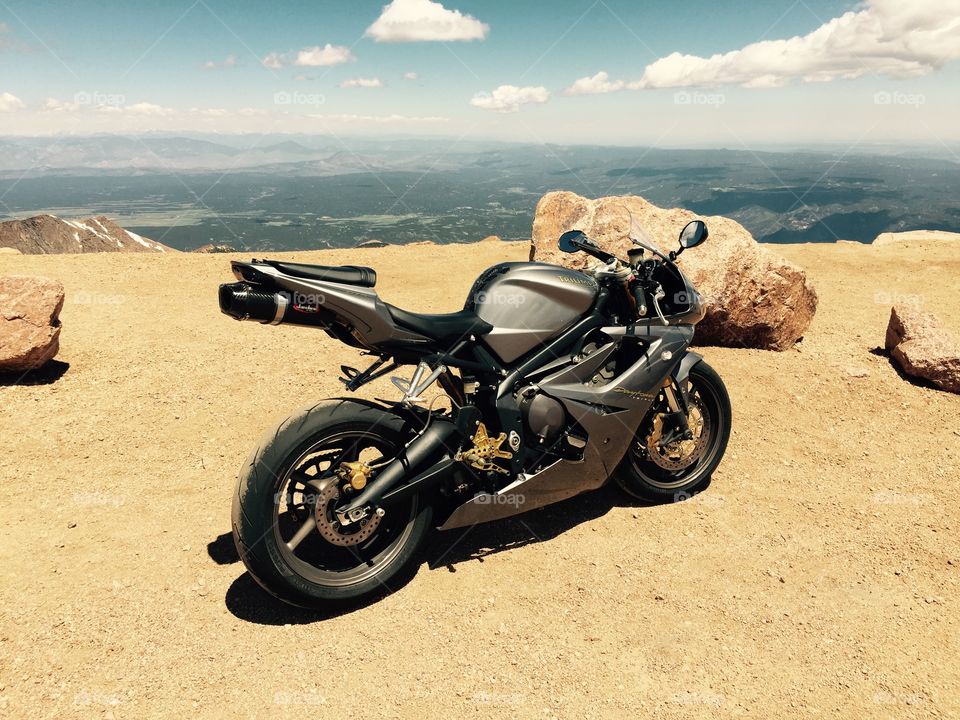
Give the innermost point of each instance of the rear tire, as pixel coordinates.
(642, 478)
(264, 503)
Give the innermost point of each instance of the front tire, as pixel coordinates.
(276, 501)
(640, 475)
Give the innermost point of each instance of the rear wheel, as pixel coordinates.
(283, 521)
(660, 472)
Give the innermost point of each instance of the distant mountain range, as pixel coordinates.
(265, 192)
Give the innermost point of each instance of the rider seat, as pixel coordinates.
(449, 327)
(346, 274)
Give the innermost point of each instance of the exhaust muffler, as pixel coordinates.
(245, 301)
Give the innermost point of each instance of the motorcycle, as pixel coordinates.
(557, 380)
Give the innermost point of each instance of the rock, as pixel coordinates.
(213, 248)
(857, 372)
(29, 321)
(48, 234)
(923, 348)
(914, 235)
(754, 298)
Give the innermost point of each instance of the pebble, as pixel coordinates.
(72, 524)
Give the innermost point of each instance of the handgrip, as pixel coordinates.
(640, 297)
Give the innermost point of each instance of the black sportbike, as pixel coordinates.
(549, 382)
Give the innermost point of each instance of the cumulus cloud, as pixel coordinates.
(886, 37)
(509, 98)
(273, 61)
(383, 119)
(596, 85)
(410, 76)
(10, 103)
(139, 109)
(324, 56)
(362, 83)
(228, 62)
(424, 20)
(316, 56)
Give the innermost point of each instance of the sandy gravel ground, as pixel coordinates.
(816, 576)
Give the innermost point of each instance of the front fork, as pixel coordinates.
(675, 390)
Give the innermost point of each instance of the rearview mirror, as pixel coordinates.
(693, 234)
(571, 240)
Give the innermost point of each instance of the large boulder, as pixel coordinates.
(923, 348)
(29, 321)
(754, 298)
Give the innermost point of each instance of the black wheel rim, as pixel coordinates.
(313, 558)
(709, 402)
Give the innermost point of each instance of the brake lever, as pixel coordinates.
(656, 304)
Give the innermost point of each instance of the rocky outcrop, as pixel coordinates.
(215, 248)
(914, 235)
(48, 234)
(29, 321)
(922, 348)
(754, 298)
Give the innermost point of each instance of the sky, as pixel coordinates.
(686, 73)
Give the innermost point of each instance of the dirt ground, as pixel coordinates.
(817, 575)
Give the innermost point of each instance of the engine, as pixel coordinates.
(543, 417)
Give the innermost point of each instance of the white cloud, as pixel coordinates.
(598, 84)
(424, 20)
(273, 61)
(887, 37)
(509, 98)
(324, 56)
(362, 83)
(228, 62)
(10, 103)
(410, 76)
(383, 119)
(139, 109)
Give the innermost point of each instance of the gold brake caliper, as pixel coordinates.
(356, 473)
(484, 449)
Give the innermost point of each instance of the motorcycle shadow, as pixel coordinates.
(246, 600)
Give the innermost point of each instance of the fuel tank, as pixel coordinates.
(529, 303)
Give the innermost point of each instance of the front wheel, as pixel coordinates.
(658, 472)
(283, 521)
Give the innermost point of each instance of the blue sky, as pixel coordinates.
(871, 73)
